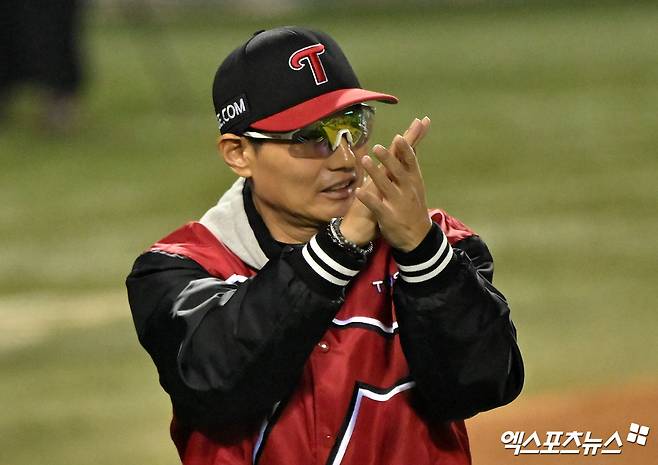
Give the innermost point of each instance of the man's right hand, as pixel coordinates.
(359, 223)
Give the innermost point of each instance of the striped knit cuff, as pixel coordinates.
(325, 266)
(425, 263)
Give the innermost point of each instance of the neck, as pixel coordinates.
(283, 227)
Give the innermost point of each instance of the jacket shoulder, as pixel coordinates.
(194, 241)
(453, 228)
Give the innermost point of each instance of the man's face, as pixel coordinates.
(297, 185)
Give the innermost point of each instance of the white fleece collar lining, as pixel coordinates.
(228, 222)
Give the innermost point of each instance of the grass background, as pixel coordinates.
(544, 139)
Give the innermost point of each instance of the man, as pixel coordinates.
(312, 316)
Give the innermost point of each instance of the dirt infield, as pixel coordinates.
(601, 411)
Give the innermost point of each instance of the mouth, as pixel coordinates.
(341, 190)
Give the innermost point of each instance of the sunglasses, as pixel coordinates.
(355, 123)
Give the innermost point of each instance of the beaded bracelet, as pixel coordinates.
(338, 238)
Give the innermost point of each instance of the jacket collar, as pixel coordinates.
(267, 243)
(229, 223)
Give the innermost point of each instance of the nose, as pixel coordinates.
(343, 158)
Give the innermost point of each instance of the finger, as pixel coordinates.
(395, 168)
(425, 127)
(371, 201)
(379, 177)
(406, 155)
(417, 131)
(369, 186)
(412, 134)
(409, 129)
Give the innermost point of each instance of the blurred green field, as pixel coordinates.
(544, 139)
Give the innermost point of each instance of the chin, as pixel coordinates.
(321, 218)
(328, 208)
(339, 208)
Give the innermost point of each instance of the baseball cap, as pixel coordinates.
(283, 79)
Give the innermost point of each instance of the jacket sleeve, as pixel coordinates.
(228, 351)
(455, 328)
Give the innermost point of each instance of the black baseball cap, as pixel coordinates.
(284, 79)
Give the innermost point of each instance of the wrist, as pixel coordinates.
(428, 262)
(339, 238)
(416, 237)
(325, 265)
(359, 231)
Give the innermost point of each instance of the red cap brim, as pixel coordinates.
(316, 108)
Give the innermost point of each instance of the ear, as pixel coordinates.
(237, 153)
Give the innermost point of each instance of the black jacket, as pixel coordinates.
(228, 349)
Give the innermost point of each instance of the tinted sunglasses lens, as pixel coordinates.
(316, 135)
(368, 120)
(355, 124)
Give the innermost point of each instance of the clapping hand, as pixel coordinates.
(398, 198)
(393, 203)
